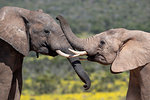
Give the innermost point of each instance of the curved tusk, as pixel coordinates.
(78, 53)
(63, 54)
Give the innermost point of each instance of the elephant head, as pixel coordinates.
(123, 49)
(27, 30)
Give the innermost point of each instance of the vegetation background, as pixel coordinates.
(48, 78)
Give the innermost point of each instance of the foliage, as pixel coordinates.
(93, 16)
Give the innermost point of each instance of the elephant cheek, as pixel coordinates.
(111, 57)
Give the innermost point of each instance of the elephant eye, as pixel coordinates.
(47, 31)
(102, 42)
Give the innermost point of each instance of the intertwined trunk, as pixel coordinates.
(77, 43)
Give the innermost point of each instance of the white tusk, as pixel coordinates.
(78, 53)
(75, 55)
(63, 54)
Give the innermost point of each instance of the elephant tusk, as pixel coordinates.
(78, 53)
(75, 55)
(63, 54)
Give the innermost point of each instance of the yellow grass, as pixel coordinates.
(120, 95)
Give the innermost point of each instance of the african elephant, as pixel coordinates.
(121, 48)
(21, 31)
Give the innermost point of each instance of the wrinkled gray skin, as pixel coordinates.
(124, 50)
(21, 31)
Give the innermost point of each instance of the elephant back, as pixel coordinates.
(13, 30)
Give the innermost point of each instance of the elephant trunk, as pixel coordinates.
(75, 42)
(76, 64)
(80, 72)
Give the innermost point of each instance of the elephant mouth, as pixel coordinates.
(47, 50)
(98, 58)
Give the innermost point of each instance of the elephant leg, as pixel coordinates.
(16, 85)
(19, 85)
(134, 87)
(6, 75)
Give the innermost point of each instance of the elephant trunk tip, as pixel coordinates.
(62, 21)
(59, 17)
(86, 80)
(87, 85)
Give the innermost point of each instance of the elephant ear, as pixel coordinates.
(133, 54)
(13, 31)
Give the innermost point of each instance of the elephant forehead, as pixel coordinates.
(46, 20)
(41, 17)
